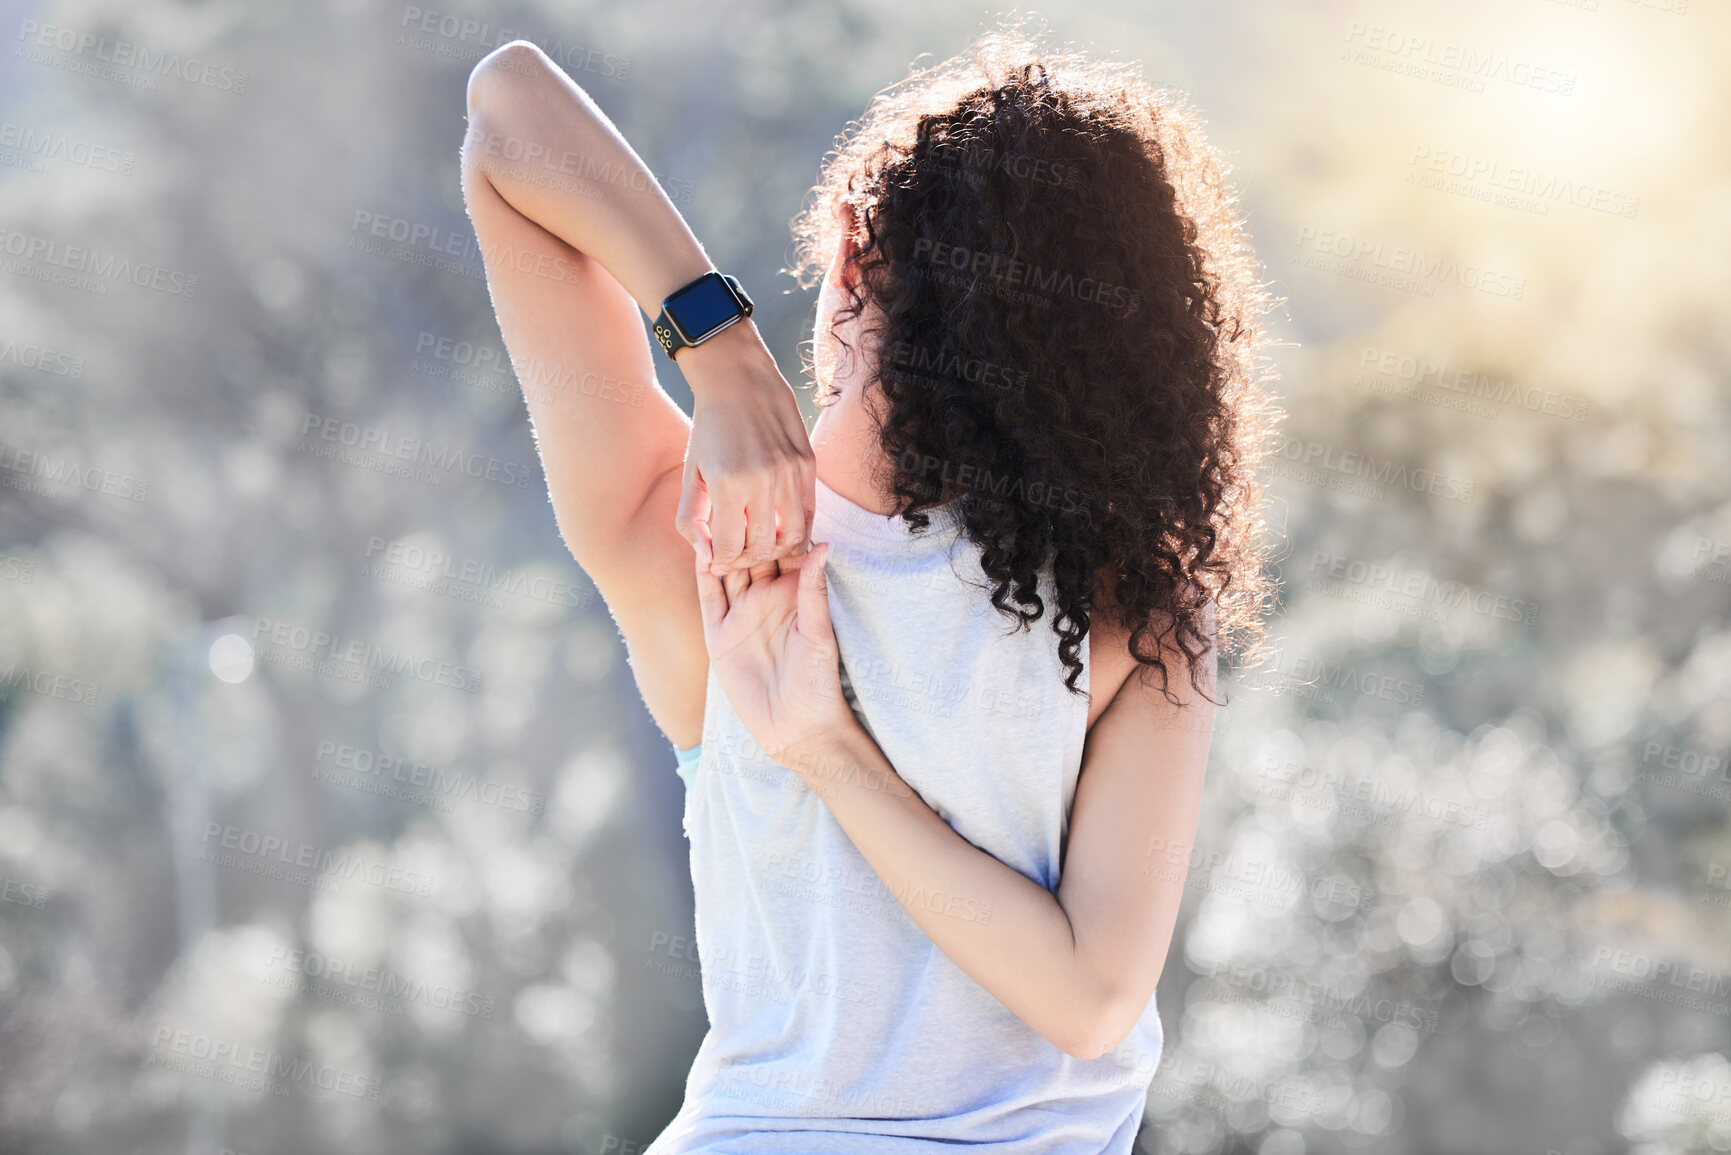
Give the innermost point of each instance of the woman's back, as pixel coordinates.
(836, 1024)
(1075, 363)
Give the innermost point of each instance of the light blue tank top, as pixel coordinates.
(837, 1027)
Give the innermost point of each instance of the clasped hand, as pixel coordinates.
(774, 652)
(750, 473)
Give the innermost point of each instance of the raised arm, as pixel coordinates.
(540, 144)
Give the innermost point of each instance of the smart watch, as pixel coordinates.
(700, 310)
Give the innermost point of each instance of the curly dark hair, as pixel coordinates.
(1066, 340)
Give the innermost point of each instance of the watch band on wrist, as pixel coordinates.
(700, 310)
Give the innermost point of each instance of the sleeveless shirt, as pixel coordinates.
(837, 1026)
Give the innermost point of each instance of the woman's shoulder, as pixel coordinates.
(1110, 661)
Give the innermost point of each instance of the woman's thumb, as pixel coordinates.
(814, 592)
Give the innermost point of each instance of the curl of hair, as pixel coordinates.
(1065, 331)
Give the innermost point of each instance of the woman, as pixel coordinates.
(937, 852)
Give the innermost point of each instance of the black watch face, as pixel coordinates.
(704, 307)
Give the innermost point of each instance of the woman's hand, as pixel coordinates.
(770, 642)
(750, 475)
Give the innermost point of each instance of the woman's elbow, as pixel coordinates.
(1102, 1028)
(1097, 1039)
(501, 71)
(494, 84)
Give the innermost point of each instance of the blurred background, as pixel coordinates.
(330, 818)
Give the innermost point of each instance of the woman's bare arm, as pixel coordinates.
(1078, 966)
(548, 151)
(610, 440)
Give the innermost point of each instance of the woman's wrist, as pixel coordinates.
(734, 355)
(842, 755)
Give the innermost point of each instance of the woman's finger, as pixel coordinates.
(759, 528)
(791, 530)
(805, 494)
(814, 594)
(712, 600)
(727, 524)
(736, 582)
(694, 503)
